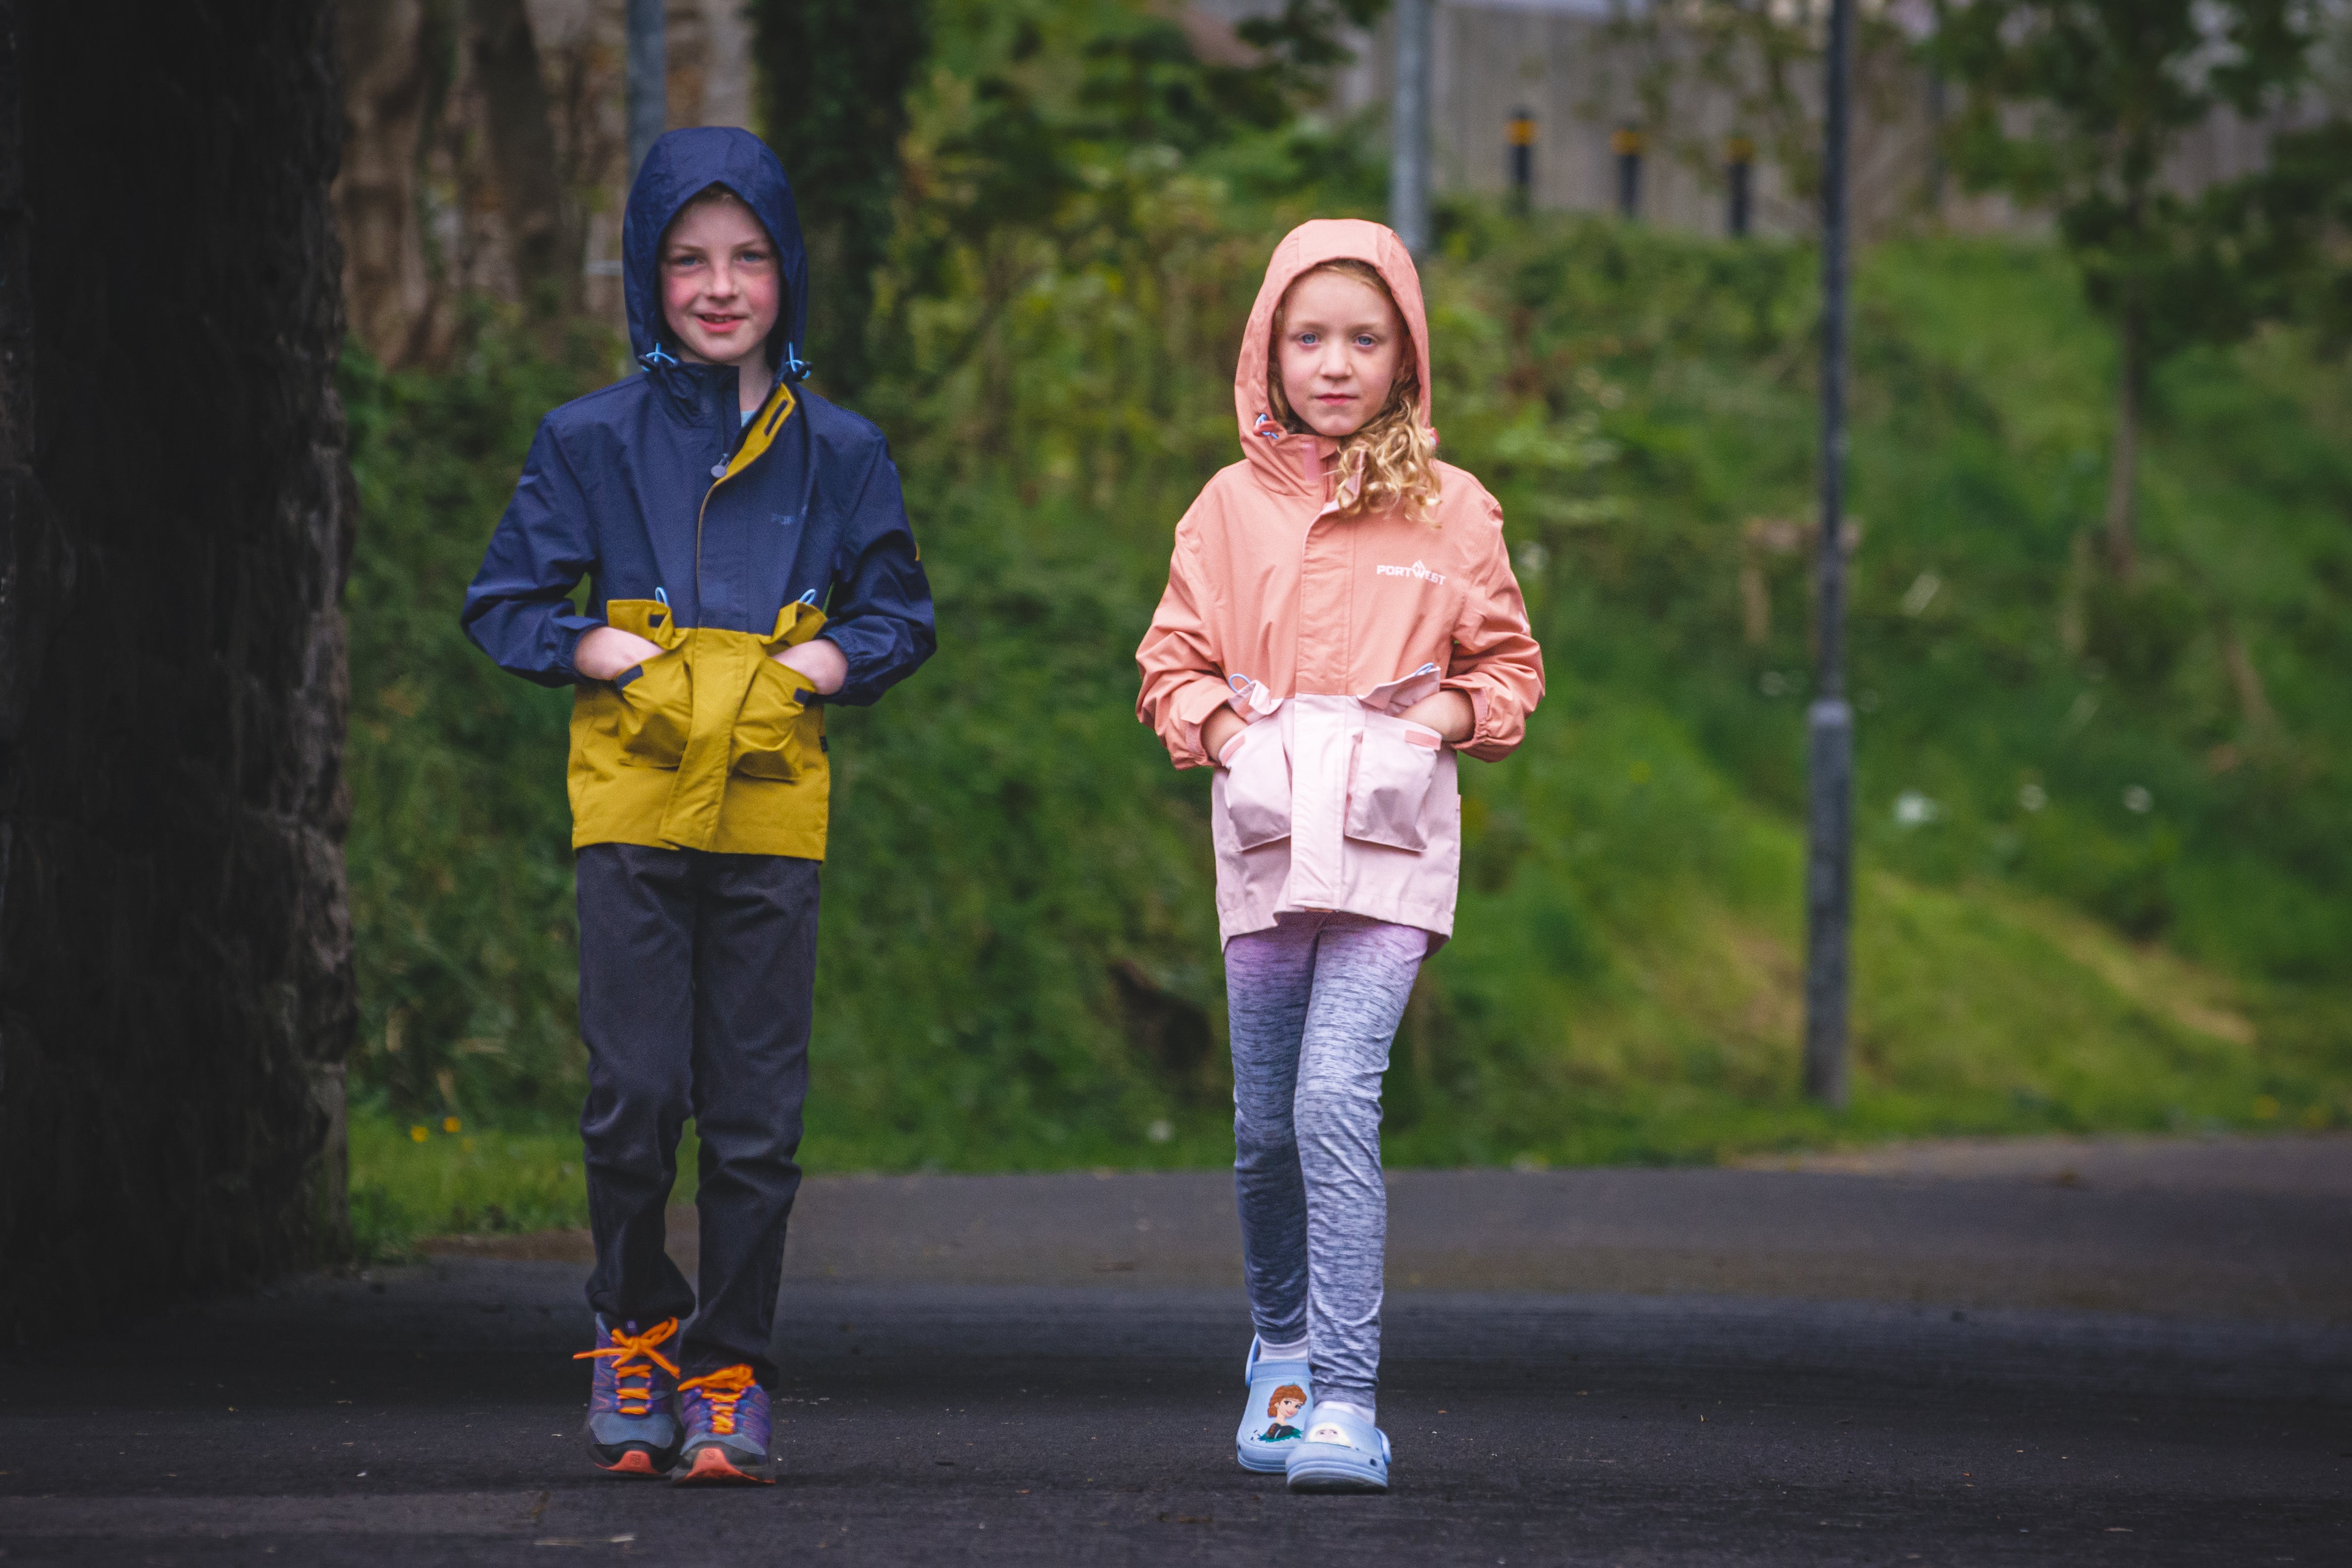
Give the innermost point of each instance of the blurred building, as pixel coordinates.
(1619, 98)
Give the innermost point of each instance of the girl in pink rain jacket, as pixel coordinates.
(1340, 621)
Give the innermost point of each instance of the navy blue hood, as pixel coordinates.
(680, 166)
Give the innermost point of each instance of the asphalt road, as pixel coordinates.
(430, 1415)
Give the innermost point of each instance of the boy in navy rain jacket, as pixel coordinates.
(749, 562)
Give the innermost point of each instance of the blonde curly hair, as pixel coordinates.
(1388, 463)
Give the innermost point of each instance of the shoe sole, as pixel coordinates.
(635, 1462)
(1316, 1478)
(1262, 1465)
(1335, 1468)
(710, 1467)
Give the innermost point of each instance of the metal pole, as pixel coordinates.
(648, 79)
(1829, 868)
(1936, 142)
(1409, 129)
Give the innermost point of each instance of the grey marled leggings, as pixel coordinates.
(1314, 1004)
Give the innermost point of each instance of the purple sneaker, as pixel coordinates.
(633, 1428)
(726, 1429)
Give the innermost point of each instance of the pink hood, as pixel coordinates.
(1281, 460)
(1319, 630)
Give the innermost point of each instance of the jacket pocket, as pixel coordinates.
(657, 709)
(776, 729)
(1257, 786)
(1389, 781)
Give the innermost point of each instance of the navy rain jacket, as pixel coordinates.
(619, 486)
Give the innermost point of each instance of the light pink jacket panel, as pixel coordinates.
(1318, 628)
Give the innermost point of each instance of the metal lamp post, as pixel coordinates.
(1829, 723)
(1409, 129)
(648, 79)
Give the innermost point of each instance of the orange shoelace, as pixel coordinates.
(632, 1378)
(723, 1388)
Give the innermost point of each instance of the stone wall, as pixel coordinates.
(176, 980)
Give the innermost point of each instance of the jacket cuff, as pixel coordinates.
(815, 698)
(1480, 734)
(568, 654)
(1187, 709)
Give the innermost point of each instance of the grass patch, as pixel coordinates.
(413, 1178)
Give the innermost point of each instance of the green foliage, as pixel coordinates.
(834, 76)
(2117, 82)
(1049, 89)
(2104, 832)
(2110, 88)
(460, 845)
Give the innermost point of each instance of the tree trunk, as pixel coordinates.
(522, 153)
(386, 287)
(2123, 468)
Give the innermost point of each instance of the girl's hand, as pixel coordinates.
(820, 660)
(1448, 712)
(608, 652)
(1219, 728)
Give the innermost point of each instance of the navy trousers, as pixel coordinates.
(696, 980)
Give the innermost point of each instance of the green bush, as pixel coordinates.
(1019, 966)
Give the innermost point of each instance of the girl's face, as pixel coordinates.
(1284, 1409)
(1342, 344)
(719, 283)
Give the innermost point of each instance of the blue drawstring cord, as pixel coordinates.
(795, 368)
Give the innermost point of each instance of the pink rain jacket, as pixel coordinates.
(1319, 630)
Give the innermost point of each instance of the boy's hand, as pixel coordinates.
(608, 652)
(1448, 712)
(820, 659)
(1221, 724)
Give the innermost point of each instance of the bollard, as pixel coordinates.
(1519, 139)
(1739, 167)
(1627, 142)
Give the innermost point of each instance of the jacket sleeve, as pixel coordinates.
(519, 607)
(1184, 676)
(1495, 663)
(879, 613)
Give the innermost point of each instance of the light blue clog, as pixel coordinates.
(1279, 1393)
(1340, 1451)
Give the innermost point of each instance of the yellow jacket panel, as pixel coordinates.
(709, 746)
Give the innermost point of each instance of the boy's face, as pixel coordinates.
(1342, 344)
(720, 285)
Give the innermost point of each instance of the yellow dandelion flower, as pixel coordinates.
(416, 1134)
(450, 1124)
